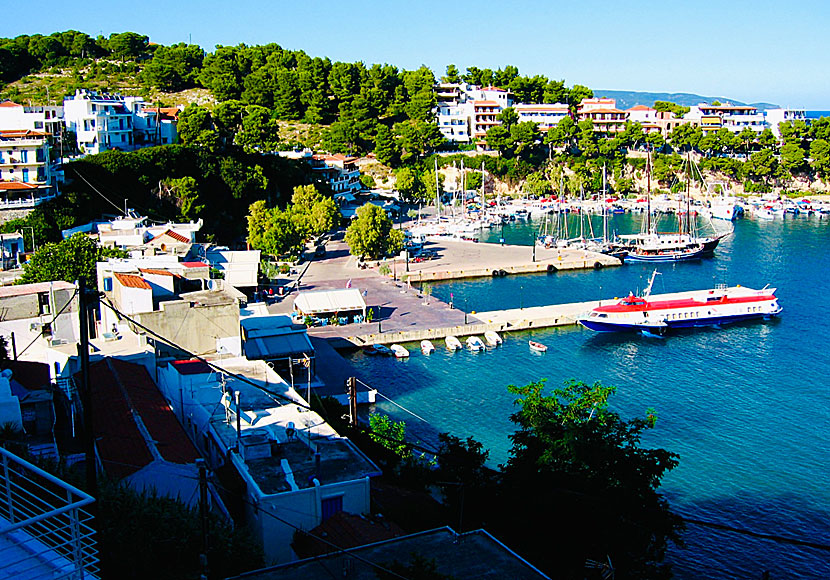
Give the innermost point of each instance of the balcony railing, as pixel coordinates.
(44, 530)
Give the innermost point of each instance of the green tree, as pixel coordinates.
(171, 531)
(820, 155)
(174, 68)
(128, 44)
(371, 234)
(417, 138)
(669, 107)
(243, 181)
(260, 132)
(537, 184)
(67, 260)
(386, 150)
(272, 230)
(409, 184)
(793, 158)
(767, 139)
(761, 165)
(311, 213)
(185, 191)
(576, 94)
(390, 434)
(580, 460)
(193, 122)
(498, 138)
(452, 75)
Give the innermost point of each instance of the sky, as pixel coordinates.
(761, 51)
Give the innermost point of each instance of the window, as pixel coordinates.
(43, 303)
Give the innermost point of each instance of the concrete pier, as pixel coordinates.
(457, 260)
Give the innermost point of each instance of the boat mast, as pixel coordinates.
(689, 195)
(648, 191)
(437, 196)
(604, 208)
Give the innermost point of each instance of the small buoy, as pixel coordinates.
(495, 273)
(551, 268)
(597, 265)
(502, 273)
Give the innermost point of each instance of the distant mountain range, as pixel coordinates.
(628, 99)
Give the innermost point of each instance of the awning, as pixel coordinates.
(293, 344)
(330, 302)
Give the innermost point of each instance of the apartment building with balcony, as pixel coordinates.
(103, 121)
(465, 112)
(544, 115)
(734, 118)
(603, 112)
(26, 178)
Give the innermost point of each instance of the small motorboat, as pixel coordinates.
(492, 337)
(452, 343)
(370, 350)
(537, 346)
(399, 351)
(475, 344)
(383, 349)
(427, 347)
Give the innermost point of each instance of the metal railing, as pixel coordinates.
(44, 530)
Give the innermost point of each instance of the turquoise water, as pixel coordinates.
(746, 407)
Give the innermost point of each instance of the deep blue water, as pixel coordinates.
(747, 407)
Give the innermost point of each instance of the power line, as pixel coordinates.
(65, 306)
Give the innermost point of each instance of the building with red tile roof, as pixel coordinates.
(138, 439)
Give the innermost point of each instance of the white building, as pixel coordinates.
(465, 112)
(340, 172)
(103, 121)
(48, 118)
(292, 469)
(26, 178)
(544, 115)
(774, 117)
(734, 118)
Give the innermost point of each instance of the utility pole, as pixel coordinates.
(86, 395)
(351, 389)
(203, 513)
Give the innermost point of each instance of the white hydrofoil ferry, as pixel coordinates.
(701, 308)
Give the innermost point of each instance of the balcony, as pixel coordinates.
(44, 530)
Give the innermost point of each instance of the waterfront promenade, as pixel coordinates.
(402, 307)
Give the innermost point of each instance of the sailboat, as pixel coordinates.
(653, 246)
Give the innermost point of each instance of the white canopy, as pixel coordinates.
(330, 302)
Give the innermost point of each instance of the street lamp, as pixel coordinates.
(465, 311)
(521, 298)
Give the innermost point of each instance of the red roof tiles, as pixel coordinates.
(16, 185)
(176, 236)
(156, 271)
(122, 393)
(193, 264)
(132, 281)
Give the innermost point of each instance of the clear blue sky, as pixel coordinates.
(749, 51)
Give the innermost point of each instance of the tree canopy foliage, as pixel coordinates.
(371, 234)
(67, 260)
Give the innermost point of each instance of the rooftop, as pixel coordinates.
(474, 554)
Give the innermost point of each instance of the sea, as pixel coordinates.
(745, 406)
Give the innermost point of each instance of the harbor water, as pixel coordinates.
(745, 406)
